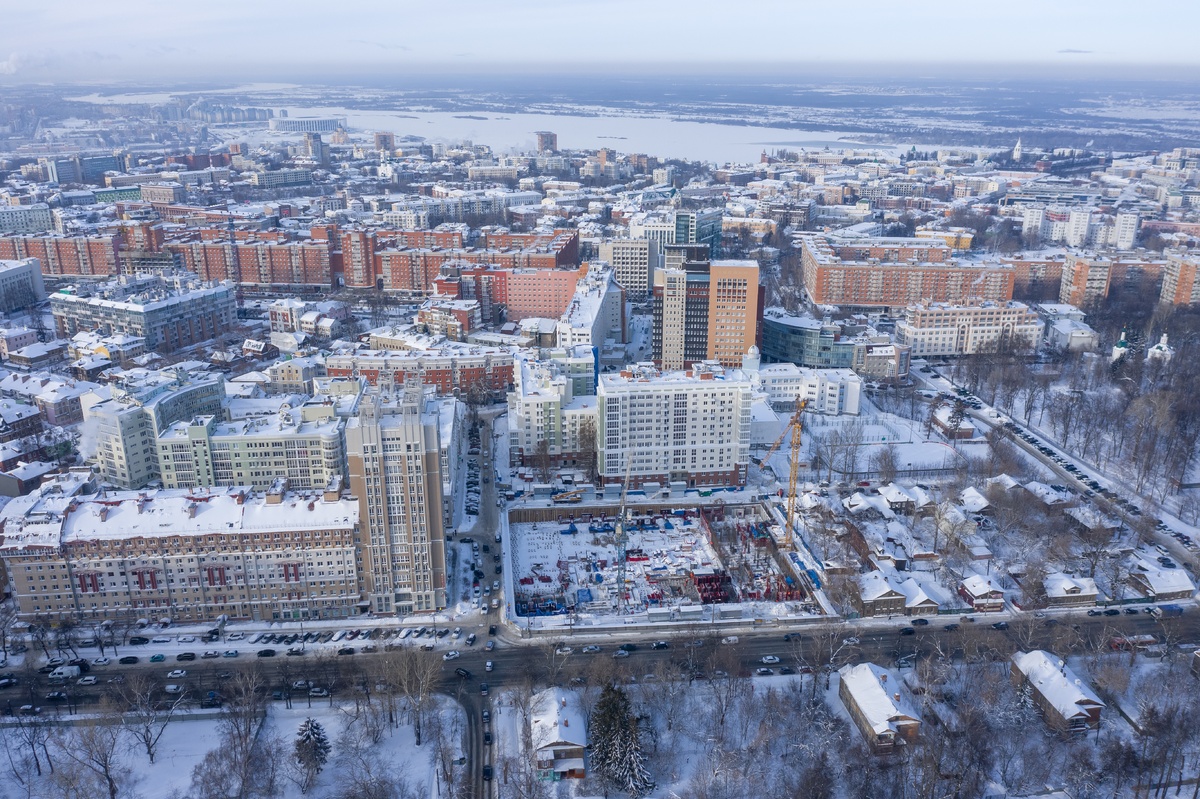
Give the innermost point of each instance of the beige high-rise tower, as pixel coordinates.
(395, 472)
(733, 310)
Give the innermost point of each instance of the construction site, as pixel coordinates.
(663, 561)
(675, 562)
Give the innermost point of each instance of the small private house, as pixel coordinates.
(559, 735)
(983, 594)
(1159, 583)
(1067, 702)
(873, 698)
(1065, 590)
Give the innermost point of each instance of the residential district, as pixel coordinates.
(890, 454)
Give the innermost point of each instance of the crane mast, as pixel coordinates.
(623, 534)
(797, 425)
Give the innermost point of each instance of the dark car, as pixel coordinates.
(487, 773)
(186, 656)
(346, 650)
(128, 660)
(1112, 612)
(950, 628)
(139, 640)
(787, 670)
(659, 645)
(628, 647)
(1000, 625)
(492, 630)
(487, 739)
(463, 673)
(1131, 611)
(908, 631)
(920, 622)
(266, 653)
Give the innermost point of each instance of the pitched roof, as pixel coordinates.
(556, 718)
(881, 709)
(1065, 692)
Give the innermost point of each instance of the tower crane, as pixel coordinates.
(623, 534)
(797, 425)
(766, 459)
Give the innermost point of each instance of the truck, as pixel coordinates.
(63, 673)
(1166, 611)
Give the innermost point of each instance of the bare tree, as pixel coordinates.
(417, 673)
(94, 746)
(146, 718)
(542, 462)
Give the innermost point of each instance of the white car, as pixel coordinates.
(453, 654)
(101, 662)
(174, 689)
(620, 653)
(187, 639)
(160, 639)
(177, 674)
(489, 666)
(563, 650)
(235, 636)
(89, 680)
(850, 641)
(770, 660)
(457, 632)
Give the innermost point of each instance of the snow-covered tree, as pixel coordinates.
(312, 751)
(616, 746)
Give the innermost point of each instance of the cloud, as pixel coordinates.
(1072, 51)
(10, 65)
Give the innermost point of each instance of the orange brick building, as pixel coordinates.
(65, 255)
(892, 272)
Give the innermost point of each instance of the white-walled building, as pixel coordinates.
(633, 261)
(596, 312)
(689, 426)
(552, 399)
(829, 391)
(939, 329)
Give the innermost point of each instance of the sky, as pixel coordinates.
(151, 41)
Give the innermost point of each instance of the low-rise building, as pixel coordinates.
(558, 730)
(1065, 590)
(873, 697)
(983, 594)
(1067, 703)
(14, 338)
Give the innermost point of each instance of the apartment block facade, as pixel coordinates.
(71, 553)
(169, 317)
(395, 471)
(1180, 286)
(706, 311)
(661, 427)
(894, 273)
(940, 329)
(635, 261)
(255, 452)
(21, 284)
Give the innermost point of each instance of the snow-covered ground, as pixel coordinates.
(187, 740)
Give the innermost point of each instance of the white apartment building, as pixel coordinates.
(395, 471)
(634, 261)
(35, 218)
(940, 329)
(256, 452)
(552, 400)
(829, 391)
(124, 429)
(596, 311)
(21, 284)
(689, 426)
